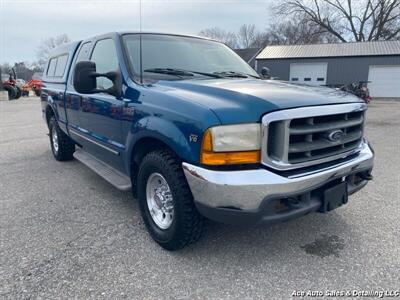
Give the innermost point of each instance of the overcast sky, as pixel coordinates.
(25, 23)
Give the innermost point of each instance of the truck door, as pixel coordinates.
(73, 100)
(100, 114)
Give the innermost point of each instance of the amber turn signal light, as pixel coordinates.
(209, 157)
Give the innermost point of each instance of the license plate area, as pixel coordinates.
(334, 197)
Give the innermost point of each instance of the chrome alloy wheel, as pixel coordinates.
(54, 139)
(159, 200)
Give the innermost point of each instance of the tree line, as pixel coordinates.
(295, 22)
(318, 21)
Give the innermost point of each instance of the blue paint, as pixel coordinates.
(169, 111)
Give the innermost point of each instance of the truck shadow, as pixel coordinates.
(315, 234)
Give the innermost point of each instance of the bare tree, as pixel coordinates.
(290, 32)
(284, 32)
(347, 20)
(261, 39)
(5, 67)
(47, 45)
(247, 35)
(227, 37)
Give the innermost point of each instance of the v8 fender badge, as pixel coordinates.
(193, 138)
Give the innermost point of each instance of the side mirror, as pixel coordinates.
(85, 79)
(265, 72)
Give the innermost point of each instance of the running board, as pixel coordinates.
(116, 178)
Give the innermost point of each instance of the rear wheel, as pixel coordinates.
(166, 202)
(62, 146)
(12, 93)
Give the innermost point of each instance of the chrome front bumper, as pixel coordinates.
(246, 190)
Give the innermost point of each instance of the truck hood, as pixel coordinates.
(247, 100)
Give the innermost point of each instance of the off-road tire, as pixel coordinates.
(66, 146)
(12, 92)
(187, 225)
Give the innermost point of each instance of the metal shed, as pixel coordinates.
(337, 64)
(249, 55)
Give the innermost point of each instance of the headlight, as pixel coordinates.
(231, 144)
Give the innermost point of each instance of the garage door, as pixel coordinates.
(310, 73)
(384, 81)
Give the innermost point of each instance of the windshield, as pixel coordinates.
(182, 53)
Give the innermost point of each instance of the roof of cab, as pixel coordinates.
(165, 33)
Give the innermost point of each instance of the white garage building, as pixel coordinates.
(337, 64)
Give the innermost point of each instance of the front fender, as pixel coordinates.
(177, 138)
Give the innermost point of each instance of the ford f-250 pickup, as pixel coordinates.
(195, 132)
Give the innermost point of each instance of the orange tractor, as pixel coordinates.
(34, 85)
(10, 85)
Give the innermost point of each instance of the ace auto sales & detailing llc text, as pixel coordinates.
(347, 293)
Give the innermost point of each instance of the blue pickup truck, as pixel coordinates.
(196, 133)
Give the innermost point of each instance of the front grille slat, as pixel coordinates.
(302, 137)
(308, 129)
(315, 157)
(323, 143)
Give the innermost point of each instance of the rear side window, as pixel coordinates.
(61, 64)
(52, 67)
(57, 66)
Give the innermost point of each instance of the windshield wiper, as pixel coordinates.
(168, 71)
(235, 74)
(180, 72)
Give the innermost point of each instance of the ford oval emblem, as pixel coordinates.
(335, 135)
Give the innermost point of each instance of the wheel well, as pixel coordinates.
(49, 113)
(139, 151)
(144, 146)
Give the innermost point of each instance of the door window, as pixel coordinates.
(84, 52)
(105, 57)
(83, 55)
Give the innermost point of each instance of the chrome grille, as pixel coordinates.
(304, 136)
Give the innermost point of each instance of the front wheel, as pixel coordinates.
(166, 202)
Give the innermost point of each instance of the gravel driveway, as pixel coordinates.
(66, 233)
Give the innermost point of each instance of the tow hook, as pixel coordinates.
(366, 175)
(292, 202)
